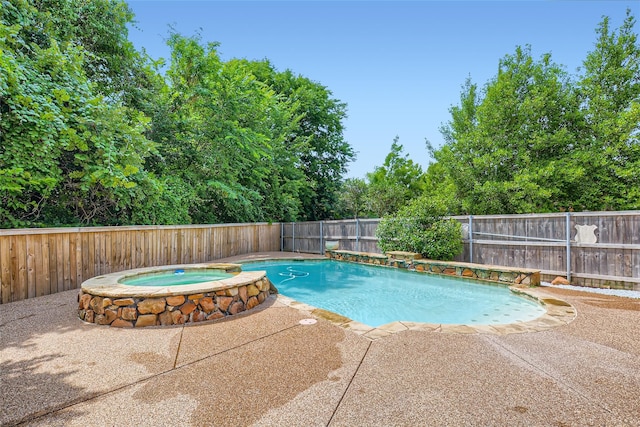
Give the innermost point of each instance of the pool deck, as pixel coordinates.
(265, 368)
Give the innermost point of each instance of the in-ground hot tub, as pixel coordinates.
(171, 295)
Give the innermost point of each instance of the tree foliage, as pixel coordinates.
(353, 197)
(316, 137)
(536, 140)
(93, 133)
(511, 152)
(421, 227)
(67, 155)
(394, 183)
(610, 91)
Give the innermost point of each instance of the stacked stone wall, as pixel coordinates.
(172, 310)
(500, 274)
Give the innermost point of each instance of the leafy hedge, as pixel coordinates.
(421, 227)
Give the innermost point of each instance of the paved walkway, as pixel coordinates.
(265, 368)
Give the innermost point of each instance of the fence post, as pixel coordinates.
(281, 236)
(357, 235)
(293, 237)
(470, 238)
(321, 237)
(568, 235)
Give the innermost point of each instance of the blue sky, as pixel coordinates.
(398, 66)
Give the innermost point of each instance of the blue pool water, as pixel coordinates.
(378, 295)
(176, 277)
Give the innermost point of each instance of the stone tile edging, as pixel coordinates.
(104, 301)
(522, 281)
(558, 313)
(413, 261)
(493, 273)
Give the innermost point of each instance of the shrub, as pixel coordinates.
(421, 227)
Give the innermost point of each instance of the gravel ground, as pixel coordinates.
(616, 292)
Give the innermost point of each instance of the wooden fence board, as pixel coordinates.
(240, 240)
(628, 267)
(230, 244)
(85, 256)
(95, 245)
(187, 247)
(207, 245)
(66, 266)
(603, 263)
(43, 276)
(99, 253)
(78, 267)
(619, 230)
(5, 271)
(20, 261)
(107, 255)
(31, 246)
(38, 261)
(72, 262)
(143, 248)
(53, 265)
(177, 242)
(59, 263)
(635, 231)
(127, 248)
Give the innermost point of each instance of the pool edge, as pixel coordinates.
(557, 313)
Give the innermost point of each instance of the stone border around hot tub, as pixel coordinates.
(104, 301)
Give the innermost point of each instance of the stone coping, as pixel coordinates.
(364, 254)
(408, 260)
(523, 282)
(558, 313)
(473, 265)
(492, 273)
(404, 255)
(108, 285)
(103, 300)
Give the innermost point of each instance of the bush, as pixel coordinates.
(421, 227)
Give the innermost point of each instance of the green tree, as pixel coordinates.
(224, 134)
(394, 183)
(111, 62)
(450, 177)
(610, 89)
(66, 156)
(421, 227)
(324, 154)
(92, 133)
(512, 151)
(354, 197)
(537, 141)
(441, 189)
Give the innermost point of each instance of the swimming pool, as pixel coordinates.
(376, 295)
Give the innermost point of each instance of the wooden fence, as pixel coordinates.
(591, 248)
(311, 237)
(36, 262)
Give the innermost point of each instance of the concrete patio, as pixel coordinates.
(265, 368)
